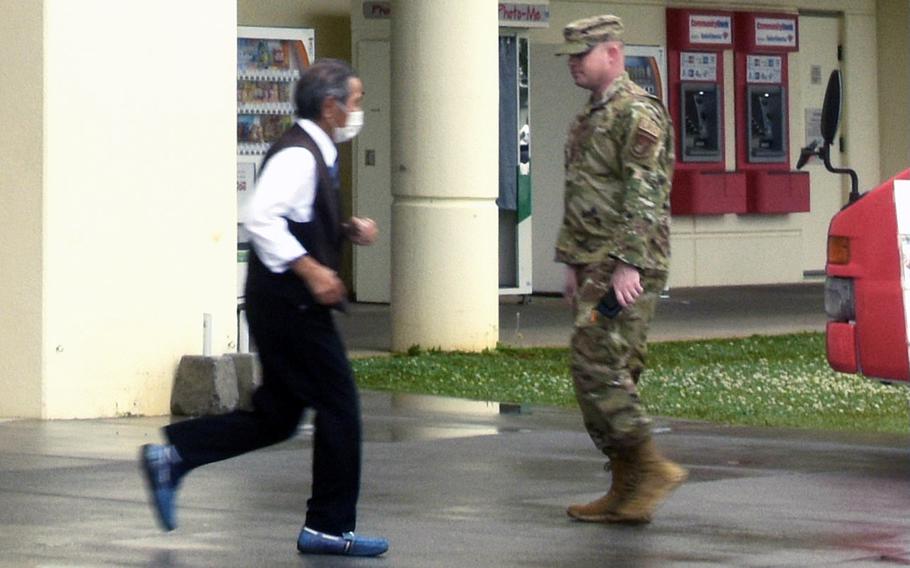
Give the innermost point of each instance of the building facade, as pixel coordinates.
(117, 168)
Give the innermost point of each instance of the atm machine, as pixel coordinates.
(763, 44)
(697, 40)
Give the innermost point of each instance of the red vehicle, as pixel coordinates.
(867, 289)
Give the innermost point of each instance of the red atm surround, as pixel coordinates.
(763, 42)
(701, 184)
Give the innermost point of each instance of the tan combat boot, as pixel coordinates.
(657, 477)
(603, 510)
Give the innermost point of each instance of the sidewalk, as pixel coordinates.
(688, 313)
(458, 484)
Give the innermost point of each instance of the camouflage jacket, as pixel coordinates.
(619, 164)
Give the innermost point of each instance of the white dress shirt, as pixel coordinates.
(286, 189)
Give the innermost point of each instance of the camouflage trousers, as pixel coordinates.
(608, 356)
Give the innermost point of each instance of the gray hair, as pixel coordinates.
(324, 79)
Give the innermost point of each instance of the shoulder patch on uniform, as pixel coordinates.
(645, 138)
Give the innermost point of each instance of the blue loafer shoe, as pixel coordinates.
(161, 478)
(348, 544)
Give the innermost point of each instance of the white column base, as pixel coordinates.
(445, 291)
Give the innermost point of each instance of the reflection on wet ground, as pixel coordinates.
(448, 418)
(416, 403)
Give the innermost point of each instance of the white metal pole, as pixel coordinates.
(207, 335)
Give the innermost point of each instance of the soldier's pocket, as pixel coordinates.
(591, 289)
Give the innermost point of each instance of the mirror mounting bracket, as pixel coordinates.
(829, 123)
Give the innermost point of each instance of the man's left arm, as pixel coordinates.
(645, 177)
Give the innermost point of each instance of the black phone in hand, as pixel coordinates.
(609, 305)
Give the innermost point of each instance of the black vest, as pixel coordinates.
(321, 236)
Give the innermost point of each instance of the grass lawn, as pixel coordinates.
(765, 381)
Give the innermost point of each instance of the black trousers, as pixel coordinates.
(304, 365)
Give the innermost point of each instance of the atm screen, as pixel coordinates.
(767, 107)
(701, 141)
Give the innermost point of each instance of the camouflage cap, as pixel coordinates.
(582, 35)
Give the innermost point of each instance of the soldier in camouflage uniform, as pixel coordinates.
(615, 235)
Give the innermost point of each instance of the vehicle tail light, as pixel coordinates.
(838, 250)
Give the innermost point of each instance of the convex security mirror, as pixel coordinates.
(831, 110)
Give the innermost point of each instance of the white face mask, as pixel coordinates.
(351, 127)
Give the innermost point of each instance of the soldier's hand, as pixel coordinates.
(325, 285)
(627, 284)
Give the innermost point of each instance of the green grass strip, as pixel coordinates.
(780, 381)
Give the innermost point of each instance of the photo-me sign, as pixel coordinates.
(524, 15)
(511, 14)
(377, 10)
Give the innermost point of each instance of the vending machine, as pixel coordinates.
(269, 62)
(696, 41)
(763, 44)
(514, 201)
(646, 66)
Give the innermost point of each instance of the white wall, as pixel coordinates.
(553, 106)
(139, 203)
(21, 182)
(861, 113)
(892, 20)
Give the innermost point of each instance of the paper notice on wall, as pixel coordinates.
(697, 66)
(246, 180)
(814, 126)
(764, 69)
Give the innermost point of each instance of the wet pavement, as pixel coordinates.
(459, 484)
(454, 484)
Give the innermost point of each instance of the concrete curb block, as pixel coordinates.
(214, 385)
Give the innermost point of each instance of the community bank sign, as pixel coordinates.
(775, 32)
(710, 30)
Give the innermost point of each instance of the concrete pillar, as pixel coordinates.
(445, 83)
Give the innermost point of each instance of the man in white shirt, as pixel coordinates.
(293, 218)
